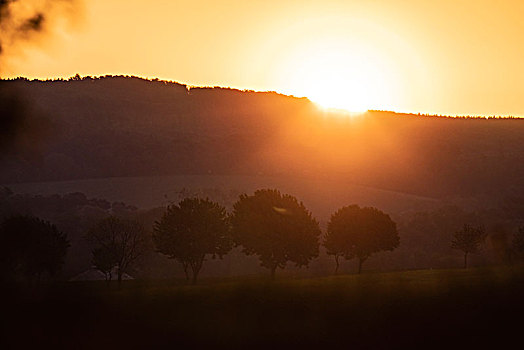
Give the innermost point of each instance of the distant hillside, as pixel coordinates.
(124, 126)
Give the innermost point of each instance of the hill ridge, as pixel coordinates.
(122, 126)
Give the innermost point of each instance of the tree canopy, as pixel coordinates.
(191, 230)
(276, 227)
(355, 232)
(30, 247)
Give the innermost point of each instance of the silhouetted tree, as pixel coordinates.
(117, 242)
(190, 231)
(359, 232)
(30, 247)
(468, 240)
(275, 227)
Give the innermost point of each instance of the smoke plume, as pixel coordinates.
(22, 21)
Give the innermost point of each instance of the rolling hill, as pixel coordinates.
(106, 127)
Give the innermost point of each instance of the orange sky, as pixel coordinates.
(447, 57)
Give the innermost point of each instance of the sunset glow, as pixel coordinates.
(262, 174)
(411, 56)
(335, 75)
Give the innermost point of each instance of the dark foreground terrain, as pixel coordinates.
(412, 309)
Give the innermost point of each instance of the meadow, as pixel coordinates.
(414, 309)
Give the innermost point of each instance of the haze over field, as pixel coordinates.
(152, 143)
(117, 126)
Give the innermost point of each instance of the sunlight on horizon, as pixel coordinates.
(427, 57)
(337, 70)
(340, 80)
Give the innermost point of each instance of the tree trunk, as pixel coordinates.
(186, 271)
(195, 267)
(119, 276)
(273, 269)
(466, 260)
(336, 261)
(360, 262)
(195, 275)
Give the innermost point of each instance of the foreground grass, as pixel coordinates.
(426, 308)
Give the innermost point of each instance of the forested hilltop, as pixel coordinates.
(128, 126)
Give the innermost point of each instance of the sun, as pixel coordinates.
(337, 75)
(337, 80)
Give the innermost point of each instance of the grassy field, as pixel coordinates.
(408, 309)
